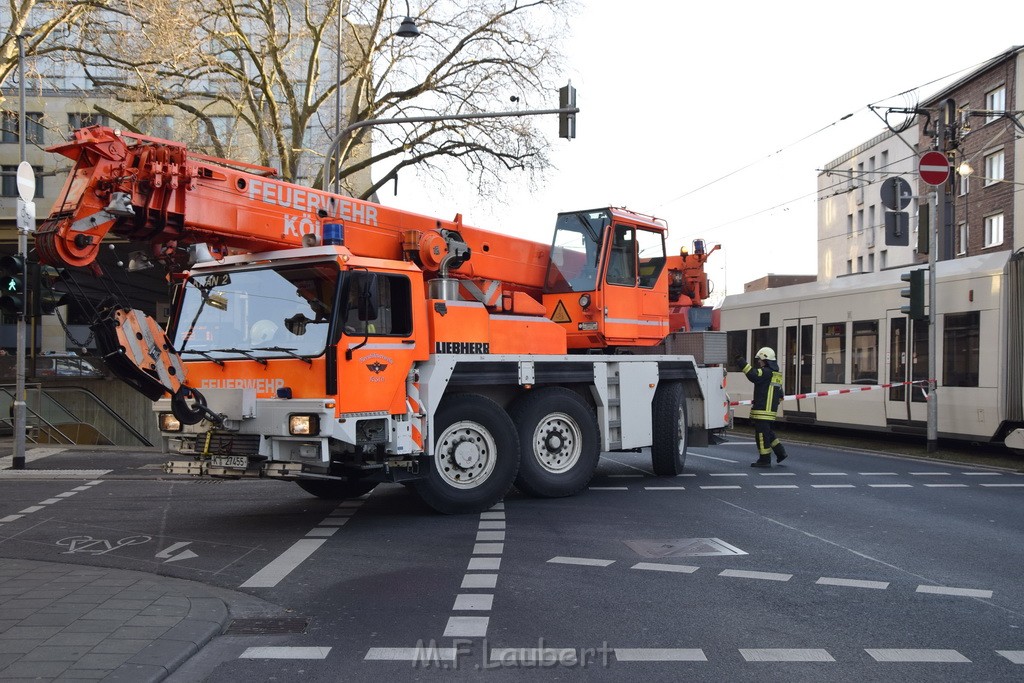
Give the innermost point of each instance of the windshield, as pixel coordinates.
(575, 251)
(263, 312)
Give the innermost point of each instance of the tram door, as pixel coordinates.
(798, 364)
(907, 361)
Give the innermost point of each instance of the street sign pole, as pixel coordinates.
(20, 404)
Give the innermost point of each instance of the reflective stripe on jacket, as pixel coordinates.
(767, 390)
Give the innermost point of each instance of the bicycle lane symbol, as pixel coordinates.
(87, 545)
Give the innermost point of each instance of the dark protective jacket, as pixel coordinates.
(767, 390)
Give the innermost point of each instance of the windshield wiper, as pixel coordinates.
(205, 355)
(242, 352)
(289, 351)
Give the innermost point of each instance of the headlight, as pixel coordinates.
(585, 301)
(169, 423)
(304, 425)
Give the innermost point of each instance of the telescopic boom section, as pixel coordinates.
(146, 189)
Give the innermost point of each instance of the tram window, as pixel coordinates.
(833, 353)
(736, 345)
(961, 349)
(768, 336)
(864, 354)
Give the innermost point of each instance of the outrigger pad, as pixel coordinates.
(137, 351)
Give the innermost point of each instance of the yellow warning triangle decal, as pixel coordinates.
(560, 315)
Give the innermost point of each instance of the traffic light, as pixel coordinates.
(567, 121)
(46, 299)
(915, 293)
(12, 284)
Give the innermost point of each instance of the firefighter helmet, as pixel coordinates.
(765, 353)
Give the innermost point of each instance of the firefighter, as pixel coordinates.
(767, 379)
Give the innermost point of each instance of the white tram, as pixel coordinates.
(850, 333)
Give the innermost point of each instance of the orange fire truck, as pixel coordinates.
(339, 343)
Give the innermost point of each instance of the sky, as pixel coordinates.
(717, 116)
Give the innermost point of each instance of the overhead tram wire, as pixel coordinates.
(870, 106)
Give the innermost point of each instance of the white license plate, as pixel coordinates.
(237, 461)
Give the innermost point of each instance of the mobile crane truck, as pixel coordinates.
(339, 343)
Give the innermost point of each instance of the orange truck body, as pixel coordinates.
(339, 343)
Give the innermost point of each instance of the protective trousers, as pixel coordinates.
(766, 440)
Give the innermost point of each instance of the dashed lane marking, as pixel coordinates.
(934, 656)
(786, 655)
(852, 583)
(424, 654)
(776, 486)
(656, 567)
(285, 563)
(772, 576)
(655, 654)
(764, 576)
(948, 590)
(42, 505)
(480, 575)
(664, 488)
(1015, 656)
(833, 486)
(285, 653)
(584, 561)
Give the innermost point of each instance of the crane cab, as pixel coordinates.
(606, 282)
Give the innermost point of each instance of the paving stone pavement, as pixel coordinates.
(66, 622)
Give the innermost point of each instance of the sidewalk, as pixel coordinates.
(64, 622)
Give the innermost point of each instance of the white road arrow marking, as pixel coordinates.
(166, 553)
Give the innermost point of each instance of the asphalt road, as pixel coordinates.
(841, 565)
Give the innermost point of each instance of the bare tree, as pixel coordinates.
(257, 79)
(42, 23)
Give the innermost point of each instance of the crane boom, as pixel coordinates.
(147, 189)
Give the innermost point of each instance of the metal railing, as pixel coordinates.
(68, 415)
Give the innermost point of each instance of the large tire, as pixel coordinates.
(668, 451)
(559, 444)
(476, 456)
(335, 490)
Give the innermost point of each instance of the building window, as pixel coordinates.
(995, 101)
(871, 263)
(10, 181)
(78, 120)
(961, 248)
(993, 168)
(961, 349)
(860, 221)
(849, 225)
(885, 161)
(883, 259)
(33, 127)
(865, 352)
(993, 230)
(860, 264)
(849, 266)
(833, 353)
(157, 126)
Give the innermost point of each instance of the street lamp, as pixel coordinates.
(407, 29)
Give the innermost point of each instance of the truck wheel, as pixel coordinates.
(668, 452)
(476, 456)
(335, 490)
(558, 442)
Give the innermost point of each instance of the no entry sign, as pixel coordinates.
(934, 168)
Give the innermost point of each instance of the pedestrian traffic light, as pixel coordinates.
(915, 293)
(12, 284)
(46, 298)
(567, 120)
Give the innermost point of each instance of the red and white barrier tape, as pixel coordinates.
(836, 392)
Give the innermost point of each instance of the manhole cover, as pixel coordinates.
(683, 547)
(267, 626)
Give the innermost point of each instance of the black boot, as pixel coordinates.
(763, 461)
(780, 453)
